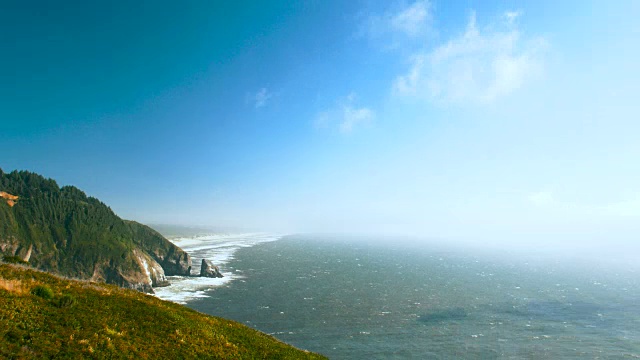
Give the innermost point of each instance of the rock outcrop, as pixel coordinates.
(144, 276)
(11, 199)
(172, 259)
(125, 277)
(27, 256)
(153, 270)
(177, 262)
(207, 269)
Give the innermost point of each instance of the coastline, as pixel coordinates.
(220, 249)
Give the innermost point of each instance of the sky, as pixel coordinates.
(477, 120)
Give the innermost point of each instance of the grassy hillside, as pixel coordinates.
(44, 316)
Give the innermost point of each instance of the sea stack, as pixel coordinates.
(207, 269)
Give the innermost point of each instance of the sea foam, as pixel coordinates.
(219, 248)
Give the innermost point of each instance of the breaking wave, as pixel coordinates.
(219, 248)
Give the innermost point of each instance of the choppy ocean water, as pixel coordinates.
(378, 300)
(219, 248)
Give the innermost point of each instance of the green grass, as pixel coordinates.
(89, 320)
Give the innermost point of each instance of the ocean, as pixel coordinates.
(358, 298)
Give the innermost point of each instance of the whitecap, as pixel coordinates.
(220, 249)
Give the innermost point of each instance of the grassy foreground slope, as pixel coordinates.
(44, 316)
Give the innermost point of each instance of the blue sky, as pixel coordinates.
(467, 119)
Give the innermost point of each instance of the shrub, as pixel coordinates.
(66, 301)
(13, 260)
(42, 291)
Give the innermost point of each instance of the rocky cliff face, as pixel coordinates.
(177, 263)
(143, 273)
(207, 269)
(171, 258)
(155, 275)
(125, 277)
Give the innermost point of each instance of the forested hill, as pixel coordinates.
(62, 230)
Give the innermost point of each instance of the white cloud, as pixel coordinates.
(477, 66)
(353, 117)
(512, 16)
(413, 20)
(345, 115)
(410, 21)
(261, 98)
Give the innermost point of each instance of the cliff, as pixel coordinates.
(64, 231)
(44, 317)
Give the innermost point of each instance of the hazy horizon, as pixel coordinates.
(485, 122)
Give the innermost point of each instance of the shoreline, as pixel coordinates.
(220, 249)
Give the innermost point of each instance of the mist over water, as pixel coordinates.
(385, 298)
